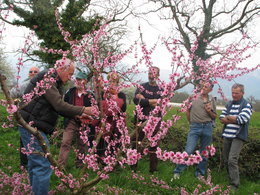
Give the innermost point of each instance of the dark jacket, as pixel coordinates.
(149, 92)
(43, 111)
(70, 98)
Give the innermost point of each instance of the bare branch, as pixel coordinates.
(239, 22)
(186, 38)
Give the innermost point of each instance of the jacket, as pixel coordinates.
(43, 110)
(242, 133)
(70, 98)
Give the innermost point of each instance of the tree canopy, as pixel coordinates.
(5, 68)
(39, 16)
(202, 21)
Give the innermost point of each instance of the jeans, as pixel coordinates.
(23, 157)
(202, 131)
(39, 167)
(231, 151)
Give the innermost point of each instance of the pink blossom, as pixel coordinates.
(11, 109)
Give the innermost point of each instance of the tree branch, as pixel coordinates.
(186, 38)
(232, 27)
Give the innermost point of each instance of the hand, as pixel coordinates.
(113, 90)
(224, 120)
(139, 96)
(111, 95)
(87, 111)
(153, 102)
(232, 119)
(208, 107)
(228, 120)
(86, 119)
(92, 111)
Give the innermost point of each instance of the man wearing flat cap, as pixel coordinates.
(77, 96)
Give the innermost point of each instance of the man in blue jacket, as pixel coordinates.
(235, 118)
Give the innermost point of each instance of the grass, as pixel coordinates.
(122, 180)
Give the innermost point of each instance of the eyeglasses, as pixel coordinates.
(33, 71)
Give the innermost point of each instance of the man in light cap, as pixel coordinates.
(77, 96)
(17, 92)
(42, 113)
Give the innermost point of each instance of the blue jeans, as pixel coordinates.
(202, 131)
(38, 166)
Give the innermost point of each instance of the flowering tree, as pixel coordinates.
(118, 151)
(4, 66)
(207, 23)
(77, 16)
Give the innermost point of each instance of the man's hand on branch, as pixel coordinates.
(87, 111)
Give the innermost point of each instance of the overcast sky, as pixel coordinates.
(14, 39)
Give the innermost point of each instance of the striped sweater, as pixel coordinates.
(243, 117)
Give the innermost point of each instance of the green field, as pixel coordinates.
(121, 181)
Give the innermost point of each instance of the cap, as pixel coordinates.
(81, 75)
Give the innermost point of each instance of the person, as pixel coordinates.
(42, 113)
(112, 113)
(17, 93)
(147, 97)
(201, 117)
(235, 117)
(77, 96)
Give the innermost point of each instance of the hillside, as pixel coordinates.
(251, 82)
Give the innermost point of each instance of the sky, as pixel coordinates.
(14, 39)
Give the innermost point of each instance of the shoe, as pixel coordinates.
(152, 171)
(80, 165)
(133, 167)
(199, 176)
(176, 176)
(233, 189)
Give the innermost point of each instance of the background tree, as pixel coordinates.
(255, 103)
(5, 68)
(129, 92)
(124, 154)
(206, 23)
(39, 16)
(179, 97)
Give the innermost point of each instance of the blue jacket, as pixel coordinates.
(242, 133)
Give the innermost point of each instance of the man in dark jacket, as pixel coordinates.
(235, 117)
(42, 113)
(77, 96)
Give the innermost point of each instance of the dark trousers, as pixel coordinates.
(231, 151)
(102, 146)
(137, 140)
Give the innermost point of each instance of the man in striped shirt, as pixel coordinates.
(235, 118)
